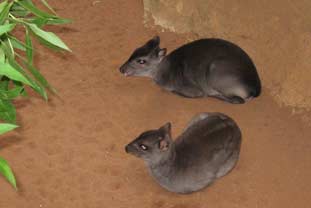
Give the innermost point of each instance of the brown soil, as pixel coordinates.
(70, 151)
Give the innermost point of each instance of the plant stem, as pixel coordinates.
(11, 47)
(17, 20)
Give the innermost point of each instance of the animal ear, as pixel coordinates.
(165, 141)
(164, 144)
(166, 127)
(166, 130)
(162, 52)
(154, 42)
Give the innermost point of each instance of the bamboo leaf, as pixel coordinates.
(19, 11)
(28, 5)
(2, 56)
(49, 45)
(58, 21)
(5, 12)
(4, 83)
(5, 46)
(36, 87)
(6, 28)
(6, 171)
(38, 76)
(10, 72)
(17, 44)
(6, 127)
(40, 22)
(48, 6)
(11, 60)
(29, 49)
(7, 111)
(3, 5)
(48, 37)
(11, 94)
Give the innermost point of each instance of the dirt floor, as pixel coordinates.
(69, 152)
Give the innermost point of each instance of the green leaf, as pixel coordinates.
(10, 72)
(26, 79)
(40, 22)
(5, 127)
(6, 171)
(49, 45)
(38, 76)
(19, 11)
(3, 5)
(56, 21)
(17, 44)
(29, 49)
(48, 37)
(4, 83)
(7, 111)
(33, 9)
(6, 47)
(12, 93)
(25, 94)
(6, 28)
(2, 56)
(36, 87)
(48, 6)
(5, 12)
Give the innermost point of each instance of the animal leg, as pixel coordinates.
(189, 92)
(230, 99)
(228, 165)
(233, 99)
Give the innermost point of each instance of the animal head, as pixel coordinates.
(153, 145)
(144, 59)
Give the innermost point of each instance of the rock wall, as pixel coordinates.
(276, 34)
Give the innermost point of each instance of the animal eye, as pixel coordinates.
(143, 147)
(141, 61)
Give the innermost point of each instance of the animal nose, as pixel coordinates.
(122, 69)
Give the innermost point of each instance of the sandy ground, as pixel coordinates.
(69, 152)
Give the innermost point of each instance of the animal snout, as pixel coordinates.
(126, 70)
(127, 149)
(130, 149)
(122, 69)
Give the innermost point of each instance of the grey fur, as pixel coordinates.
(208, 149)
(202, 68)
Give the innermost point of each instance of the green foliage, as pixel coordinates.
(6, 127)
(16, 58)
(5, 169)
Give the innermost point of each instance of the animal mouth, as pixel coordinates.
(127, 70)
(127, 74)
